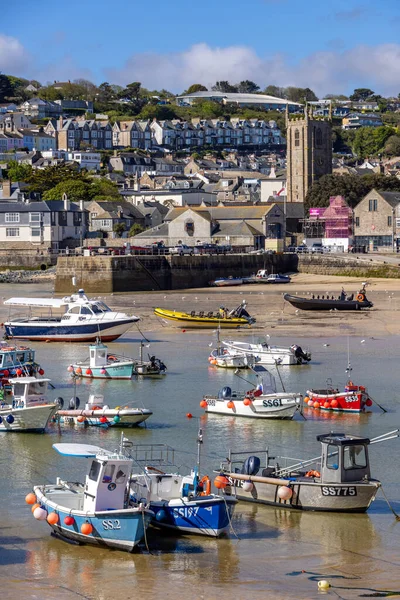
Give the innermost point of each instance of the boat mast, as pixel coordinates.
(199, 443)
(349, 369)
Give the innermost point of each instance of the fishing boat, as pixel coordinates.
(265, 354)
(98, 511)
(343, 302)
(228, 358)
(16, 361)
(149, 368)
(338, 481)
(23, 405)
(102, 365)
(98, 414)
(227, 281)
(182, 503)
(80, 320)
(238, 317)
(262, 401)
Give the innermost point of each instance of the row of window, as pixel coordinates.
(389, 220)
(15, 217)
(14, 232)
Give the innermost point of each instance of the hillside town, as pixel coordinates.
(235, 169)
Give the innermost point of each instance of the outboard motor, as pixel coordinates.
(74, 403)
(251, 465)
(226, 392)
(59, 401)
(299, 354)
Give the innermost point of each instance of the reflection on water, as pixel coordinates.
(276, 554)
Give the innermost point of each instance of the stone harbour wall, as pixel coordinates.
(347, 265)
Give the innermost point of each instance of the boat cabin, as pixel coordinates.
(13, 356)
(95, 402)
(26, 391)
(97, 355)
(344, 458)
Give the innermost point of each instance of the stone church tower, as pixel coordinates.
(309, 153)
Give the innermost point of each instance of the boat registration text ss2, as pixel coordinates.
(338, 491)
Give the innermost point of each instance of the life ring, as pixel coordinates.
(205, 481)
(112, 357)
(155, 470)
(360, 297)
(313, 474)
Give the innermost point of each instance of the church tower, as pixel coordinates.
(309, 153)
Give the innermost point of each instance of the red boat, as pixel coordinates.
(354, 398)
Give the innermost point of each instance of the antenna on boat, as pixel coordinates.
(348, 369)
(199, 443)
(279, 374)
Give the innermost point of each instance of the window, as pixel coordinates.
(332, 457)
(12, 217)
(389, 221)
(108, 473)
(105, 223)
(12, 231)
(354, 457)
(357, 221)
(35, 232)
(318, 137)
(94, 470)
(373, 205)
(297, 138)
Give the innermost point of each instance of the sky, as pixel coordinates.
(332, 46)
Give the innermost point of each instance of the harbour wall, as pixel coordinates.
(347, 265)
(107, 274)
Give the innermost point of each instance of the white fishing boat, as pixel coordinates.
(24, 407)
(263, 401)
(78, 320)
(228, 358)
(103, 365)
(97, 511)
(339, 480)
(98, 414)
(265, 354)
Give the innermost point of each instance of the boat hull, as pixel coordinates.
(209, 516)
(31, 419)
(113, 418)
(227, 282)
(228, 360)
(326, 304)
(121, 529)
(112, 371)
(264, 356)
(186, 320)
(271, 406)
(351, 401)
(311, 495)
(62, 332)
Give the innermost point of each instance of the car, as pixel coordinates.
(291, 249)
(182, 250)
(206, 248)
(302, 249)
(317, 248)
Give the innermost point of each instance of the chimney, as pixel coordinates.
(82, 208)
(66, 201)
(60, 123)
(6, 188)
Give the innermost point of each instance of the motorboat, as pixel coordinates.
(149, 368)
(182, 503)
(238, 317)
(16, 361)
(262, 276)
(266, 354)
(339, 480)
(227, 281)
(262, 401)
(322, 302)
(354, 398)
(277, 278)
(80, 320)
(103, 365)
(24, 406)
(98, 414)
(228, 358)
(97, 511)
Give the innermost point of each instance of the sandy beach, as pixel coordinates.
(274, 315)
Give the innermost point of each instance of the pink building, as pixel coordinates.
(338, 218)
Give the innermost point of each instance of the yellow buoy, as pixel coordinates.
(323, 584)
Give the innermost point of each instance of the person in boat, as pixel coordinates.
(342, 295)
(223, 312)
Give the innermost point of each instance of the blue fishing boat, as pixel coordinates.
(102, 365)
(97, 511)
(16, 361)
(181, 503)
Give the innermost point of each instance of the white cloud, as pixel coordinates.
(331, 71)
(13, 56)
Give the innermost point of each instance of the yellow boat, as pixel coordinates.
(238, 317)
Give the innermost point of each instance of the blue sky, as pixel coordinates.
(330, 46)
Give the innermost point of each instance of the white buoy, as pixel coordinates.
(324, 584)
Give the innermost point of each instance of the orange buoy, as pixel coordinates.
(316, 405)
(327, 405)
(35, 506)
(81, 419)
(221, 482)
(231, 404)
(306, 399)
(247, 401)
(203, 404)
(214, 361)
(78, 371)
(86, 528)
(31, 498)
(53, 518)
(334, 403)
(189, 415)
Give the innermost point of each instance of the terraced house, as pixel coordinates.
(77, 134)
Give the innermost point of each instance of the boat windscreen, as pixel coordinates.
(101, 307)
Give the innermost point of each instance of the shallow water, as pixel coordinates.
(271, 553)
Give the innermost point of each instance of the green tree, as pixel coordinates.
(370, 141)
(224, 87)
(195, 87)
(103, 187)
(295, 94)
(274, 90)
(119, 228)
(75, 190)
(135, 230)
(18, 172)
(6, 89)
(361, 94)
(247, 87)
(392, 146)
(335, 97)
(51, 94)
(43, 180)
(207, 109)
(133, 96)
(105, 92)
(352, 187)
(160, 112)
